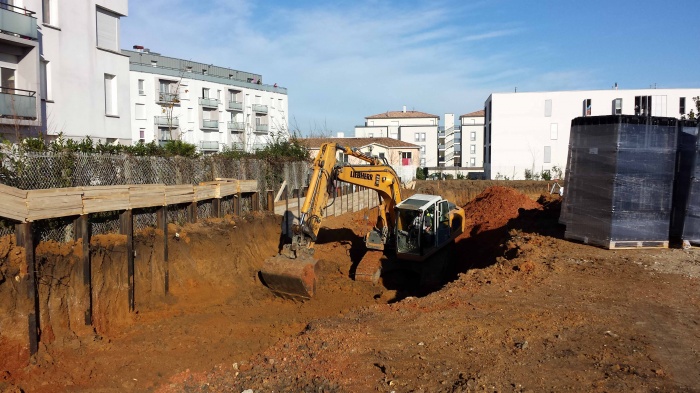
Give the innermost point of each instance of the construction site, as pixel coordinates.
(182, 303)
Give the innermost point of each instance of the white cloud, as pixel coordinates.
(340, 63)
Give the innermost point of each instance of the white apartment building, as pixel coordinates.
(414, 127)
(211, 107)
(61, 70)
(531, 130)
(472, 130)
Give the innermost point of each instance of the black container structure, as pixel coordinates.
(685, 221)
(620, 180)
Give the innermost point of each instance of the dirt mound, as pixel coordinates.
(494, 207)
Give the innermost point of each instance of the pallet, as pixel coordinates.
(618, 244)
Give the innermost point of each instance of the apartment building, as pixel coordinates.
(530, 131)
(214, 108)
(402, 156)
(413, 127)
(61, 70)
(472, 132)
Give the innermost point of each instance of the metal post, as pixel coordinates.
(25, 238)
(127, 228)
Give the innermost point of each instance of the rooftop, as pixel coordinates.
(315, 143)
(155, 63)
(479, 113)
(402, 115)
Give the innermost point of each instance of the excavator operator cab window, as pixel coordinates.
(409, 230)
(428, 235)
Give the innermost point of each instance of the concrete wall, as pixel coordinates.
(523, 125)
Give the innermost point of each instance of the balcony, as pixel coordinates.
(18, 103)
(237, 146)
(18, 21)
(210, 124)
(235, 106)
(209, 145)
(209, 102)
(262, 128)
(236, 126)
(164, 121)
(441, 147)
(257, 108)
(167, 98)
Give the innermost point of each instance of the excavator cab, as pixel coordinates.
(424, 224)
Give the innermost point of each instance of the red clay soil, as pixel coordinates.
(524, 311)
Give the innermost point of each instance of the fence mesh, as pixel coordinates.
(30, 171)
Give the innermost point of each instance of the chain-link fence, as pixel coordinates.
(30, 171)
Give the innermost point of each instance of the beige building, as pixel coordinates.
(402, 156)
(418, 128)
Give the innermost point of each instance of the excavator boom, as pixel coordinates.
(292, 273)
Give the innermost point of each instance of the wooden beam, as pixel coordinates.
(216, 207)
(192, 212)
(25, 238)
(127, 228)
(283, 188)
(270, 201)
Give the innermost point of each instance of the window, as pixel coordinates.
(406, 158)
(642, 105)
(46, 90)
(107, 30)
(547, 108)
(140, 112)
(547, 154)
(617, 106)
(371, 135)
(110, 95)
(422, 149)
(472, 162)
(142, 134)
(422, 136)
(422, 162)
(472, 149)
(381, 156)
(7, 80)
(154, 63)
(205, 92)
(554, 131)
(218, 95)
(416, 137)
(587, 107)
(681, 106)
(472, 136)
(342, 157)
(142, 91)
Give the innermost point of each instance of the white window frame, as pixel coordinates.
(141, 87)
(472, 136)
(554, 131)
(472, 149)
(547, 159)
(110, 86)
(422, 136)
(416, 137)
(107, 36)
(472, 162)
(139, 114)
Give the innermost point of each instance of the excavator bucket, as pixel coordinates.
(290, 278)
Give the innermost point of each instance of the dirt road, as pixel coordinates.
(524, 310)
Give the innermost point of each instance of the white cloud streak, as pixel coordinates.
(340, 63)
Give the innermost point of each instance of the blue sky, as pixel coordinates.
(344, 60)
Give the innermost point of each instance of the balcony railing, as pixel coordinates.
(167, 98)
(258, 146)
(17, 21)
(210, 124)
(235, 106)
(209, 145)
(239, 146)
(209, 102)
(164, 121)
(441, 147)
(236, 126)
(257, 108)
(18, 103)
(263, 128)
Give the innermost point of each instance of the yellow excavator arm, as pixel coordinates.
(292, 273)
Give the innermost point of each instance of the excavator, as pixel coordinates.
(406, 230)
